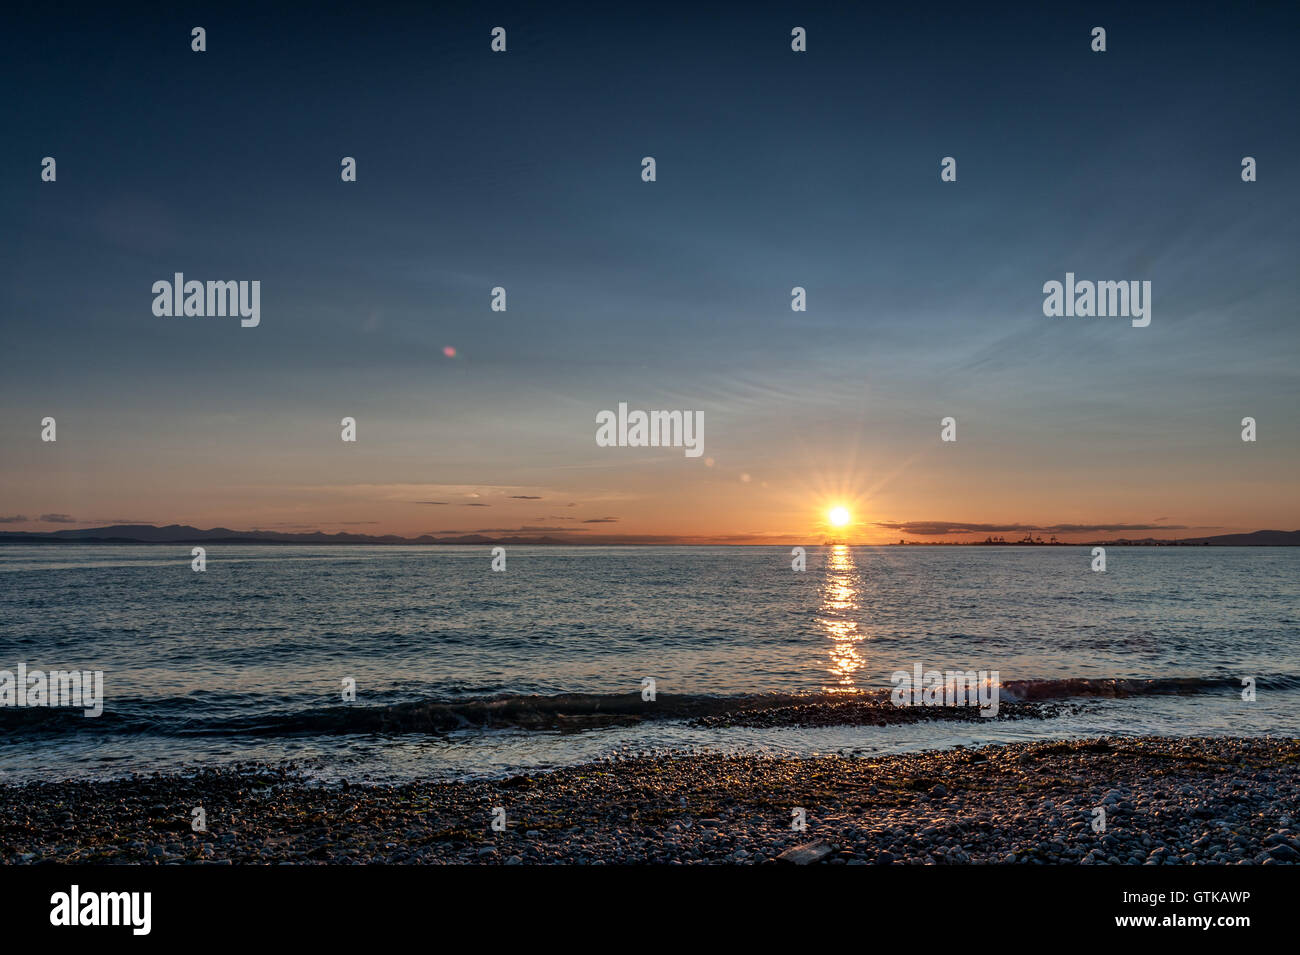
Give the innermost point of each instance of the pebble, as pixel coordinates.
(1219, 801)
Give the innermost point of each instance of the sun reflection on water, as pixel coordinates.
(838, 619)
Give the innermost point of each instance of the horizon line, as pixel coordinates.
(189, 534)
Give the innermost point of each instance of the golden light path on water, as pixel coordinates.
(838, 618)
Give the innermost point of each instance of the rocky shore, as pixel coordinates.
(1165, 801)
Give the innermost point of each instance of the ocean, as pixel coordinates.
(461, 671)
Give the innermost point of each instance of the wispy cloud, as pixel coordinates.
(937, 528)
(525, 529)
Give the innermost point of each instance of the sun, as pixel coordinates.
(839, 516)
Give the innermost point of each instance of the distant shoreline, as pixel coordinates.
(543, 542)
(182, 534)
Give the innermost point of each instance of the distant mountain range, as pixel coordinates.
(1253, 539)
(184, 534)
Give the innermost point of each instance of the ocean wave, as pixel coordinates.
(1061, 689)
(572, 712)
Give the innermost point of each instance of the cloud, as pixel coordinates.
(601, 520)
(527, 528)
(15, 519)
(937, 528)
(57, 519)
(429, 502)
(524, 497)
(475, 504)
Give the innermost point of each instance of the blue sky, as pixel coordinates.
(775, 169)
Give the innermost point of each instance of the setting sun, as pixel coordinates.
(839, 516)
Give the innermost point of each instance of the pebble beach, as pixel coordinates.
(1165, 801)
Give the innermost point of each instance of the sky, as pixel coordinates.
(774, 169)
